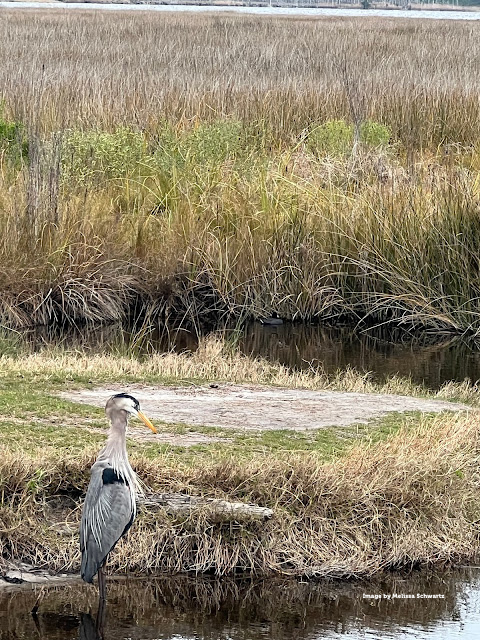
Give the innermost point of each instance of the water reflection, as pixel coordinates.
(185, 608)
(88, 628)
(427, 359)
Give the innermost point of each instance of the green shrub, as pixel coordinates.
(13, 140)
(336, 137)
(93, 156)
(168, 152)
(213, 143)
(332, 137)
(90, 157)
(374, 134)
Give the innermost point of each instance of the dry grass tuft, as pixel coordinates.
(410, 500)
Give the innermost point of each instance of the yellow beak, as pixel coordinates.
(146, 421)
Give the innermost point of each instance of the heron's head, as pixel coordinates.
(124, 402)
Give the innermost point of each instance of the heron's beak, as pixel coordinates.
(146, 421)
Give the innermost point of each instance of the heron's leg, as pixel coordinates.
(102, 584)
(100, 622)
(102, 603)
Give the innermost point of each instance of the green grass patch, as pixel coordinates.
(35, 418)
(336, 137)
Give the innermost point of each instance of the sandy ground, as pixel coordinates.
(247, 408)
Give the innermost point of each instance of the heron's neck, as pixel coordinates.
(115, 449)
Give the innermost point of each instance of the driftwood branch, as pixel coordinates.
(181, 503)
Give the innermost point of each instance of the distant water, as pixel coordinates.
(269, 11)
(427, 359)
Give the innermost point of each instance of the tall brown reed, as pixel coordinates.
(167, 222)
(99, 69)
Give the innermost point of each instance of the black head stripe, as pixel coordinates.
(136, 404)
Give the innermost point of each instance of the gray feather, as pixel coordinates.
(107, 513)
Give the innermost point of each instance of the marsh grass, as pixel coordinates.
(347, 502)
(282, 75)
(409, 500)
(225, 182)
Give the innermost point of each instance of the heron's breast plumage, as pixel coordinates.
(108, 512)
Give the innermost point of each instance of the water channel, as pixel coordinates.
(427, 359)
(423, 605)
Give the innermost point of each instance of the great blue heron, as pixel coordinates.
(110, 503)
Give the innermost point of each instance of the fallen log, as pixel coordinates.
(183, 504)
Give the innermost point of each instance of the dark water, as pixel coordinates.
(190, 609)
(427, 359)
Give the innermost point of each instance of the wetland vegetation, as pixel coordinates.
(401, 492)
(221, 167)
(212, 167)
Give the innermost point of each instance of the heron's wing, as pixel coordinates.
(107, 514)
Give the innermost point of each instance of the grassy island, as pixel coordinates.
(346, 502)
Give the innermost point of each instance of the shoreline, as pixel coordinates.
(345, 503)
(275, 4)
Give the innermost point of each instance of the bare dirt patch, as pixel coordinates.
(261, 408)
